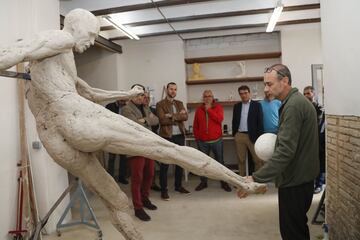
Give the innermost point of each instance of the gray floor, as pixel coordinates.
(211, 214)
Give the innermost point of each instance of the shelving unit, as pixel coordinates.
(226, 63)
(224, 80)
(228, 58)
(222, 103)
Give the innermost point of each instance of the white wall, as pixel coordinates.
(153, 63)
(301, 47)
(20, 19)
(98, 67)
(340, 39)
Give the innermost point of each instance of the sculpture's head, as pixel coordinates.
(84, 27)
(196, 68)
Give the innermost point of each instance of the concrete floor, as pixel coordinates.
(211, 214)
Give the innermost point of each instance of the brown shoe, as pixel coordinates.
(225, 186)
(165, 196)
(182, 190)
(201, 186)
(142, 215)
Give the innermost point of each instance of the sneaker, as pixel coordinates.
(165, 196)
(123, 180)
(182, 190)
(225, 186)
(201, 186)
(148, 204)
(142, 215)
(317, 190)
(156, 188)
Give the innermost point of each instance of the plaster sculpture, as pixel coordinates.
(73, 128)
(265, 145)
(241, 68)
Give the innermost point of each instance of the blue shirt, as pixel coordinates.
(243, 126)
(270, 115)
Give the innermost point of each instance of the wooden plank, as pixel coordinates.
(30, 207)
(142, 6)
(239, 57)
(215, 15)
(222, 103)
(223, 15)
(108, 45)
(224, 80)
(221, 28)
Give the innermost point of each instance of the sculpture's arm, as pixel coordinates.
(44, 45)
(99, 95)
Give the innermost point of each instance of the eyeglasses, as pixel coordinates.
(269, 69)
(207, 96)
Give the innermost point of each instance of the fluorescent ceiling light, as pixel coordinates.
(275, 16)
(121, 28)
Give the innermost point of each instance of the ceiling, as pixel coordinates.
(188, 19)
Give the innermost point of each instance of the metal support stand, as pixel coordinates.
(37, 231)
(84, 203)
(320, 210)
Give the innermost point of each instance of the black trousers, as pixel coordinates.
(122, 165)
(179, 140)
(294, 203)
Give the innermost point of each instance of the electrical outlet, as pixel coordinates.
(36, 145)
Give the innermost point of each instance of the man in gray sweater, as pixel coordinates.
(295, 162)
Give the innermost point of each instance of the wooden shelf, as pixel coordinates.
(190, 136)
(223, 103)
(228, 58)
(225, 80)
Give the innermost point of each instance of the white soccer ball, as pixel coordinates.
(264, 146)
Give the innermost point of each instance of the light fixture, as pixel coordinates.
(275, 16)
(121, 28)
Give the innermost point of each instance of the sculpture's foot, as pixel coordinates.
(124, 224)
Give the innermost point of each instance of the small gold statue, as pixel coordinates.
(196, 72)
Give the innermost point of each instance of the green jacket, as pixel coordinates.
(296, 156)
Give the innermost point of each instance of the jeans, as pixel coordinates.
(179, 140)
(216, 147)
(122, 165)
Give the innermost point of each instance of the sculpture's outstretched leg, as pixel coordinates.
(122, 136)
(87, 167)
(100, 182)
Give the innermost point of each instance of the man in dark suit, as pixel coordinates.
(247, 126)
(115, 107)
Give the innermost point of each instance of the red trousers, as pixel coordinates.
(142, 174)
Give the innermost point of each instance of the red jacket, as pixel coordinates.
(208, 127)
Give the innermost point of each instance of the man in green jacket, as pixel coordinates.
(295, 162)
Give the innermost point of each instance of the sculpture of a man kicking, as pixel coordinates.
(72, 127)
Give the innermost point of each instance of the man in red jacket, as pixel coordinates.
(208, 132)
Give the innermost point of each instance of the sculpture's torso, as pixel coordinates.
(52, 79)
(57, 106)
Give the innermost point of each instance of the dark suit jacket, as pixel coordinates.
(254, 121)
(114, 107)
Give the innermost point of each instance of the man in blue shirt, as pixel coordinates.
(270, 108)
